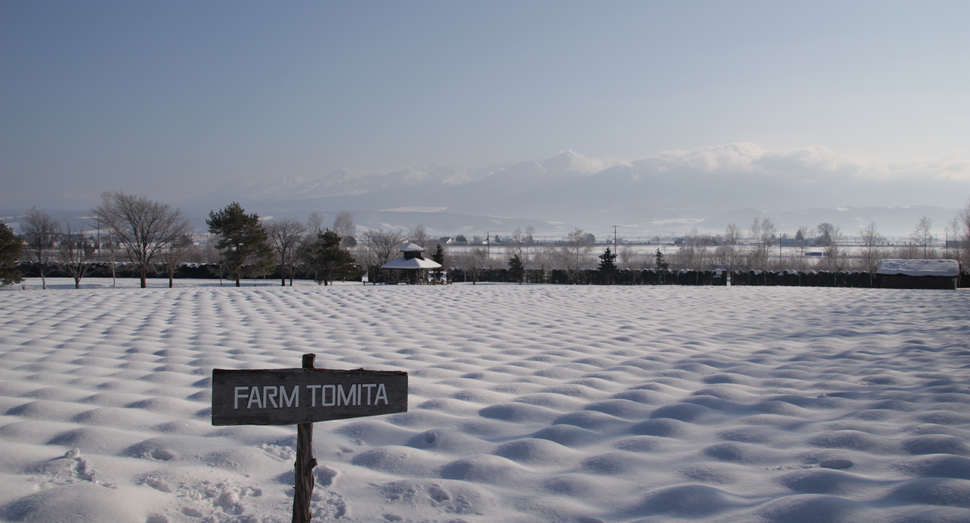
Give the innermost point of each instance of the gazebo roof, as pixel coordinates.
(412, 264)
(412, 247)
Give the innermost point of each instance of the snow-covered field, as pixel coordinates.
(527, 403)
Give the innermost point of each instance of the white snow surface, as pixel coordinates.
(527, 404)
(945, 268)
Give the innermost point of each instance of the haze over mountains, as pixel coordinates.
(669, 193)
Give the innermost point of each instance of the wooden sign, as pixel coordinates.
(301, 397)
(307, 395)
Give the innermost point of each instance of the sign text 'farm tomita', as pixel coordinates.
(301, 397)
(293, 396)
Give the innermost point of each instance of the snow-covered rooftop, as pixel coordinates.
(945, 268)
(413, 263)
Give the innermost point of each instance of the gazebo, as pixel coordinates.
(413, 264)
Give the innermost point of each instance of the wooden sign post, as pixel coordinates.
(303, 396)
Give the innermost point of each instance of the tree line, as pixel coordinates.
(148, 235)
(152, 235)
(759, 248)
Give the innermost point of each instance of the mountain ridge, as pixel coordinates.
(669, 193)
(666, 193)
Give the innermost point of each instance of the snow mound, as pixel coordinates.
(528, 404)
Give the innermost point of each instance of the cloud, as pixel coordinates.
(571, 161)
(735, 157)
(805, 165)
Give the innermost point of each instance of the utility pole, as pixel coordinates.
(614, 238)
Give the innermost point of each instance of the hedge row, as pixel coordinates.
(555, 276)
(126, 270)
(685, 277)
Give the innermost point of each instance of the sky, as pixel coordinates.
(172, 99)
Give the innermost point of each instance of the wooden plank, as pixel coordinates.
(293, 396)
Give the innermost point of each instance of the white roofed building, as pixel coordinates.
(918, 274)
(412, 266)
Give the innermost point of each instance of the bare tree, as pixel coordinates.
(728, 252)
(314, 224)
(952, 239)
(871, 253)
(381, 246)
(765, 235)
(202, 253)
(418, 235)
(523, 244)
(575, 251)
(801, 238)
(344, 226)
(174, 254)
(474, 261)
(73, 254)
(835, 257)
(923, 238)
(144, 227)
(828, 237)
(531, 247)
(110, 241)
(826, 233)
(703, 245)
(546, 257)
(964, 235)
(285, 236)
(907, 251)
(693, 253)
(796, 261)
(513, 247)
(41, 233)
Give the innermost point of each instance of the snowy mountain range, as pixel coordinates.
(670, 193)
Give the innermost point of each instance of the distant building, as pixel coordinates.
(918, 274)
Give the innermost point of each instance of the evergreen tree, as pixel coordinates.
(243, 241)
(662, 266)
(516, 269)
(328, 260)
(438, 257)
(10, 248)
(607, 267)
